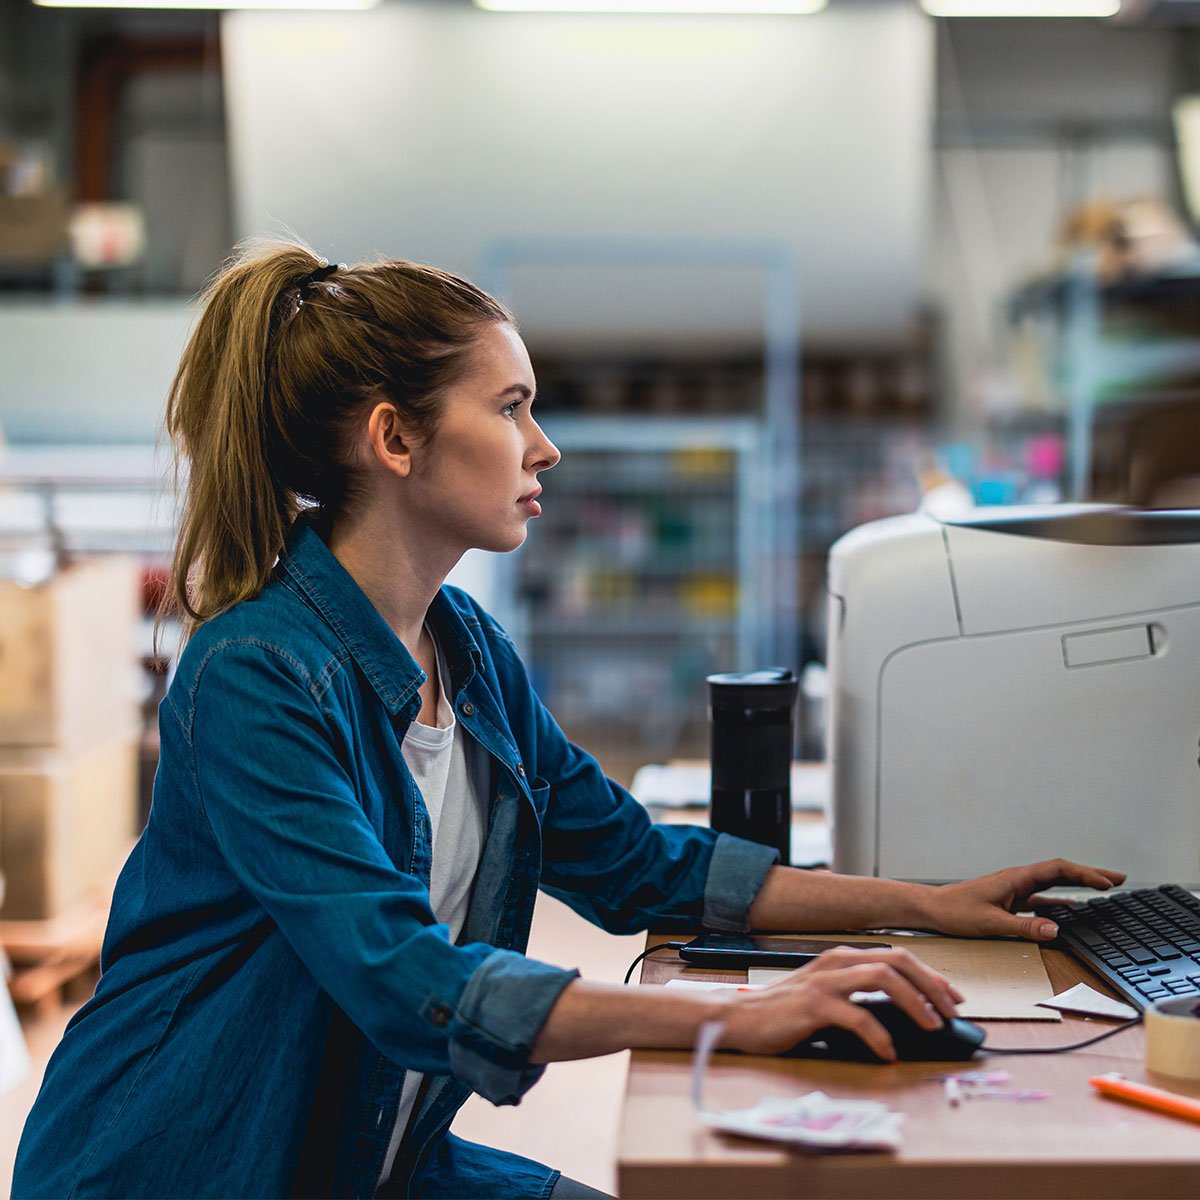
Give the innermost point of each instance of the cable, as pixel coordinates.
(652, 950)
(1060, 1049)
(677, 946)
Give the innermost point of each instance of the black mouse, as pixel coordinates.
(956, 1041)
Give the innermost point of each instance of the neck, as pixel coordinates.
(399, 574)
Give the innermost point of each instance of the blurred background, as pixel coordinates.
(779, 275)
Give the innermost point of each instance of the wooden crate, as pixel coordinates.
(68, 656)
(66, 822)
(57, 961)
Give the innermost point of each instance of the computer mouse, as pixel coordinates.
(956, 1041)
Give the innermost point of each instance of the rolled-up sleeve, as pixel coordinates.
(288, 823)
(736, 873)
(500, 1013)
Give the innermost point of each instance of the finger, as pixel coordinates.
(999, 923)
(872, 977)
(936, 987)
(1095, 877)
(943, 995)
(860, 1022)
(1056, 871)
(833, 959)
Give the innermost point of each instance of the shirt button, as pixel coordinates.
(468, 709)
(440, 1016)
(521, 770)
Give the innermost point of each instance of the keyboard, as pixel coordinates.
(1145, 943)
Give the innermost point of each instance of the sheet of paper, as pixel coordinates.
(1089, 1003)
(1000, 980)
(708, 985)
(689, 785)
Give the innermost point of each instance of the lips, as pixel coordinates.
(530, 496)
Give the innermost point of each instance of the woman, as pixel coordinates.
(314, 953)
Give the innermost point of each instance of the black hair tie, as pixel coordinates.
(322, 273)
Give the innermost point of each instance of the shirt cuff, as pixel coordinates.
(499, 1015)
(736, 874)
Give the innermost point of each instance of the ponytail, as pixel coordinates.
(282, 358)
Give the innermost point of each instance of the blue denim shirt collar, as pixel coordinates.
(380, 654)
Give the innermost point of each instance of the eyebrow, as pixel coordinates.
(520, 389)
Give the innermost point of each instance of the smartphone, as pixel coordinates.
(734, 951)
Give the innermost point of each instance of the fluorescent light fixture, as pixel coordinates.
(1021, 8)
(761, 8)
(275, 5)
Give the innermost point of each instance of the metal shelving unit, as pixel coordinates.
(1108, 345)
(643, 575)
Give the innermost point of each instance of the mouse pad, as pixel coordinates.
(1001, 980)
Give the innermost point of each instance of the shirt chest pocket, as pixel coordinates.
(539, 791)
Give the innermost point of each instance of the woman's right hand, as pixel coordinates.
(775, 1018)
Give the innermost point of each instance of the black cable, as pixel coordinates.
(660, 946)
(1060, 1049)
(677, 946)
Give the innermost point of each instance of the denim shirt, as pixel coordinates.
(272, 965)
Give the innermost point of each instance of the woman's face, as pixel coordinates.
(477, 477)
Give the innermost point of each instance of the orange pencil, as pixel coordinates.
(1117, 1087)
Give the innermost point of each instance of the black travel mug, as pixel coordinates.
(751, 716)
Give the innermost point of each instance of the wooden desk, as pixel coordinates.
(1074, 1144)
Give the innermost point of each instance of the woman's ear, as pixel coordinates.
(390, 442)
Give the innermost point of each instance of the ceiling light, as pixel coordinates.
(772, 8)
(276, 5)
(1021, 8)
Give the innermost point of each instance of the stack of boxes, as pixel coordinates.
(69, 730)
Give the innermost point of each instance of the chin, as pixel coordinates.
(504, 543)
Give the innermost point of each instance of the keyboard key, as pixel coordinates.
(1158, 970)
(1166, 953)
(1141, 956)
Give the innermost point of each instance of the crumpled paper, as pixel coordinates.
(814, 1120)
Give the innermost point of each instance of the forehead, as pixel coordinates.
(499, 359)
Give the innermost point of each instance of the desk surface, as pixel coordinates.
(1074, 1144)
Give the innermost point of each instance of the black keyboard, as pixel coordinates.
(1145, 944)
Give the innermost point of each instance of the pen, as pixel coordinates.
(1117, 1087)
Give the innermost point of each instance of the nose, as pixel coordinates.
(543, 452)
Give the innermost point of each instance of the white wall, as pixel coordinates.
(95, 372)
(426, 131)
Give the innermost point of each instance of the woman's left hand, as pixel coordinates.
(987, 906)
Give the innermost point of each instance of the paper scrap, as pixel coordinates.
(813, 1120)
(1089, 1003)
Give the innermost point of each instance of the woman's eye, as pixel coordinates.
(510, 410)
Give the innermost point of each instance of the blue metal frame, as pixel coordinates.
(779, 485)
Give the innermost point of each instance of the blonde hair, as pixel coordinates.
(261, 407)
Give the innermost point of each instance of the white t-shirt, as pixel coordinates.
(451, 773)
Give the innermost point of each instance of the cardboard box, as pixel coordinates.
(69, 674)
(66, 824)
(33, 229)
